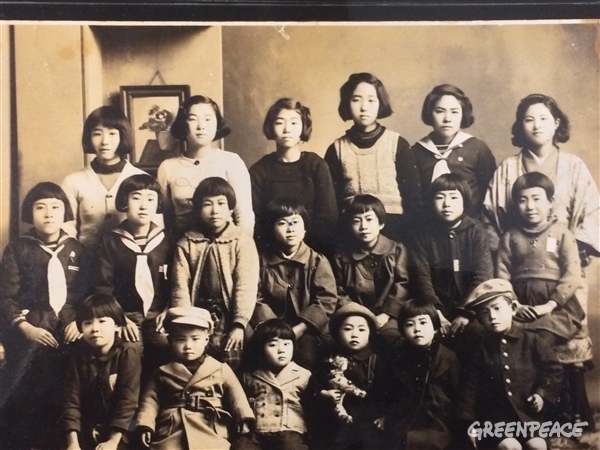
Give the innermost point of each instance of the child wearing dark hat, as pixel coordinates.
(352, 328)
(192, 402)
(541, 259)
(419, 389)
(514, 376)
(43, 279)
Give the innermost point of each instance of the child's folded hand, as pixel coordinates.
(526, 313)
(458, 324)
(445, 324)
(38, 335)
(333, 394)
(145, 436)
(130, 331)
(382, 319)
(72, 333)
(235, 340)
(536, 402)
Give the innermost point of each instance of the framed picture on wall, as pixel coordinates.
(151, 111)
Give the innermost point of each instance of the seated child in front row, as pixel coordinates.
(513, 377)
(194, 401)
(43, 279)
(541, 259)
(216, 268)
(296, 283)
(352, 328)
(134, 261)
(372, 269)
(103, 379)
(420, 388)
(275, 386)
(450, 258)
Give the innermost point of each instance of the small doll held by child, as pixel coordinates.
(343, 418)
(541, 259)
(43, 279)
(514, 375)
(372, 269)
(103, 380)
(194, 402)
(296, 283)
(275, 386)
(216, 268)
(134, 263)
(419, 391)
(450, 257)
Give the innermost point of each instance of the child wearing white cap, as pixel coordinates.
(514, 376)
(192, 402)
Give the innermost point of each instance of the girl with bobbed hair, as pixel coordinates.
(92, 191)
(199, 123)
(371, 159)
(291, 172)
(448, 149)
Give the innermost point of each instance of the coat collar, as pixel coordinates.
(466, 223)
(90, 356)
(540, 228)
(458, 141)
(302, 256)
(123, 231)
(362, 355)
(382, 247)
(179, 371)
(32, 236)
(288, 374)
(231, 233)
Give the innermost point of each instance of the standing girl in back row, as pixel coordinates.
(448, 149)
(370, 159)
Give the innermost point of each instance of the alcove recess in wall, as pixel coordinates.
(131, 55)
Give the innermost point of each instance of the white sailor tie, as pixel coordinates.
(441, 166)
(143, 276)
(57, 281)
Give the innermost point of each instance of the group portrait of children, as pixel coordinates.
(385, 296)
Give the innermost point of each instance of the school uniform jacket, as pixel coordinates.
(25, 280)
(305, 280)
(238, 263)
(446, 265)
(118, 264)
(516, 364)
(419, 395)
(276, 399)
(101, 391)
(192, 411)
(468, 156)
(377, 279)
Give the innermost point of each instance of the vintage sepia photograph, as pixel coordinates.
(300, 235)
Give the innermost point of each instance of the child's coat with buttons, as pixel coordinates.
(276, 399)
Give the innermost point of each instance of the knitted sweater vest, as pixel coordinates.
(372, 170)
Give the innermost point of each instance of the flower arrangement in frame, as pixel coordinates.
(151, 111)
